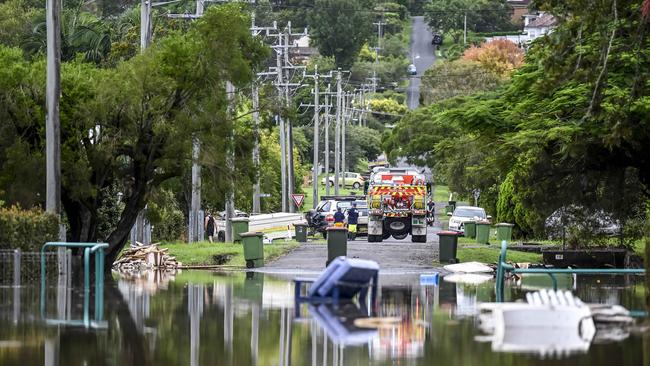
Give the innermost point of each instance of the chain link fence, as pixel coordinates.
(19, 268)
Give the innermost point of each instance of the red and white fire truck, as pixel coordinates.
(397, 205)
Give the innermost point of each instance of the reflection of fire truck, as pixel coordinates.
(396, 205)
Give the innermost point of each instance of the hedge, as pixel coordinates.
(27, 230)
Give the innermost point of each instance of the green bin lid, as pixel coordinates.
(300, 224)
(504, 224)
(239, 219)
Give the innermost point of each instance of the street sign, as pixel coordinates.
(265, 195)
(298, 199)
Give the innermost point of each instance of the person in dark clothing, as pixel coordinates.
(431, 207)
(353, 215)
(339, 217)
(209, 227)
(353, 219)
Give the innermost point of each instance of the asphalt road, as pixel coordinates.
(422, 55)
(394, 256)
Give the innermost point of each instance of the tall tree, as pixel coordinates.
(339, 28)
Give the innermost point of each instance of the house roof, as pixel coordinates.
(544, 20)
(518, 3)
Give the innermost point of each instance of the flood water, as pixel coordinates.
(206, 318)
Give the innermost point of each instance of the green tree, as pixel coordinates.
(339, 28)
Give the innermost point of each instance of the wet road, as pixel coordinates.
(422, 56)
(394, 256)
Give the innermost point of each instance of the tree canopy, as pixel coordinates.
(571, 127)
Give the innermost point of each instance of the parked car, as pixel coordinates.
(462, 214)
(412, 70)
(347, 179)
(322, 217)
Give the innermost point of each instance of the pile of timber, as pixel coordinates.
(146, 257)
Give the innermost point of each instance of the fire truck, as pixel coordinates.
(397, 205)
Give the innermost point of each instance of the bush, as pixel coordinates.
(27, 230)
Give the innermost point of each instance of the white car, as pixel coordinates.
(412, 70)
(463, 214)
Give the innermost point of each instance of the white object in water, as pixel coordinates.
(469, 267)
(551, 323)
(469, 278)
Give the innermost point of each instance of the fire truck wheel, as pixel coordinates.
(385, 236)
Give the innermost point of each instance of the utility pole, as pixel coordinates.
(316, 137)
(337, 134)
(196, 219)
(256, 148)
(283, 147)
(374, 79)
(344, 119)
(53, 123)
(230, 162)
(327, 141)
(290, 168)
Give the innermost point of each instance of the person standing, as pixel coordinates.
(339, 217)
(209, 227)
(431, 207)
(353, 220)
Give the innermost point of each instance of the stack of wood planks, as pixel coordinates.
(146, 257)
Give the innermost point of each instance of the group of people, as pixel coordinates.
(353, 219)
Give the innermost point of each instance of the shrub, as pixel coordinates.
(27, 230)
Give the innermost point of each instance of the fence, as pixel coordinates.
(18, 268)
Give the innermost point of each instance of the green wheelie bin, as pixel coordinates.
(504, 231)
(448, 246)
(253, 249)
(301, 232)
(337, 242)
(470, 229)
(239, 226)
(483, 232)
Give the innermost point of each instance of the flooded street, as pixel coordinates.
(206, 318)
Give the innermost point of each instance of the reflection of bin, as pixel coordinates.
(337, 242)
(483, 232)
(452, 204)
(448, 246)
(301, 232)
(449, 209)
(253, 249)
(253, 290)
(504, 232)
(470, 229)
(239, 225)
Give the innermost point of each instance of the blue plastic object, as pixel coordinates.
(344, 278)
(430, 279)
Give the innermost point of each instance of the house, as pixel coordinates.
(301, 52)
(537, 25)
(519, 9)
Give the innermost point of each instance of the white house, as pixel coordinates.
(537, 25)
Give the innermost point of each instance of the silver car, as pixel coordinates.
(462, 214)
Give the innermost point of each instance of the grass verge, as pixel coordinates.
(203, 253)
(491, 255)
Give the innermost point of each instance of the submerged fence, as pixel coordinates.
(18, 268)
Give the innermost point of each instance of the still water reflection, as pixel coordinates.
(204, 318)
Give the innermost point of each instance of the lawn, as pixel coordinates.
(202, 253)
(441, 194)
